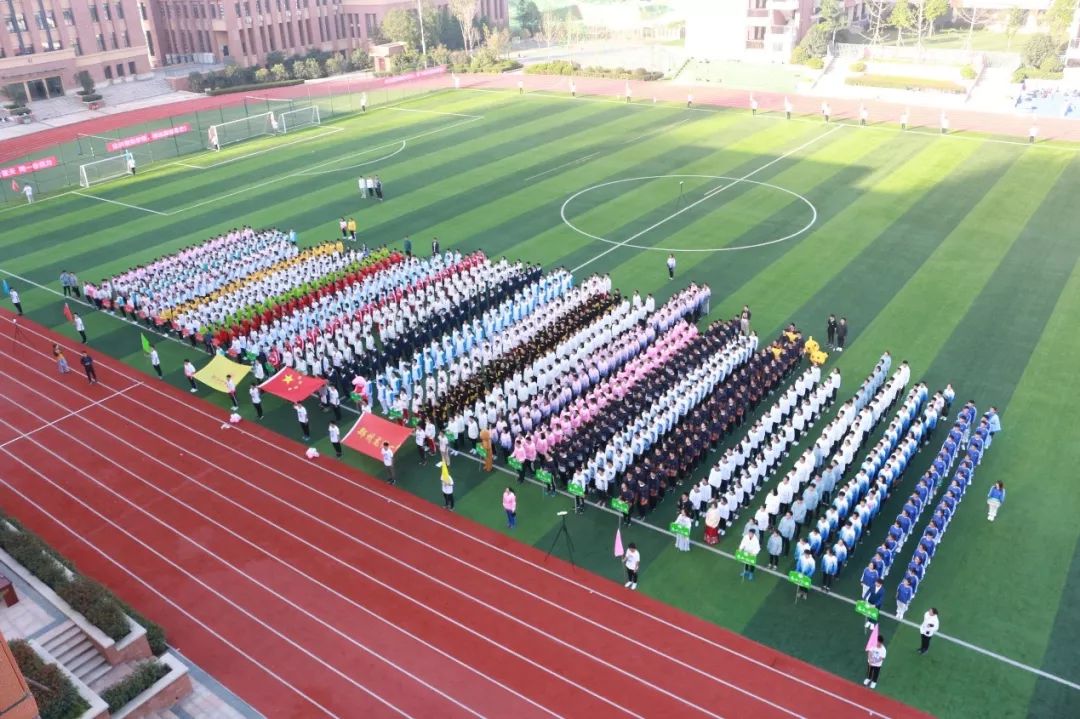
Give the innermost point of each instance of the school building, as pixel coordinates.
(244, 32)
(44, 43)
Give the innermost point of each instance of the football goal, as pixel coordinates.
(292, 120)
(234, 131)
(103, 170)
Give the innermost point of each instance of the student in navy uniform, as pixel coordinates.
(830, 331)
(875, 598)
(88, 364)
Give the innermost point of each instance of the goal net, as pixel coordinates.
(233, 131)
(292, 120)
(103, 170)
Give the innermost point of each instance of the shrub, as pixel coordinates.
(1052, 64)
(1038, 48)
(100, 606)
(91, 97)
(56, 696)
(133, 685)
(815, 63)
(897, 82)
(799, 55)
(247, 88)
(555, 67)
(1035, 73)
(85, 81)
(816, 41)
(858, 66)
(20, 110)
(562, 67)
(968, 72)
(97, 604)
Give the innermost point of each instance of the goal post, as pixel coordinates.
(104, 170)
(292, 120)
(234, 131)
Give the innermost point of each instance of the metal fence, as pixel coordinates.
(335, 100)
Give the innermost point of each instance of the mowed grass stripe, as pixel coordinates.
(834, 243)
(729, 273)
(994, 355)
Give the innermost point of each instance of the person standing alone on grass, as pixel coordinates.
(632, 562)
(994, 500)
(131, 163)
(875, 657)
(88, 364)
(509, 501)
(155, 361)
(334, 433)
(671, 266)
(378, 187)
(29, 192)
(80, 326)
(189, 374)
(841, 334)
(388, 461)
(15, 300)
(928, 629)
(302, 418)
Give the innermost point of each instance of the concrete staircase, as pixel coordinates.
(72, 648)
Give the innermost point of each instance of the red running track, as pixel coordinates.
(311, 589)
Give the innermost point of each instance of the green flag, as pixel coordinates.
(145, 343)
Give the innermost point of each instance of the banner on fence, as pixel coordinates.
(24, 168)
(147, 137)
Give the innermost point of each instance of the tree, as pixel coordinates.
(972, 16)
(464, 11)
(816, 41)
(902, 19)
(877, 17)
(1038, 48)
(497, 40)
(85, 81)
(359, 59)
(279, 72)
(401, 26)
(335, 65)
(926, 14)
(308, 69)
(833, 18)
(1017, 18)
(262, 75)
(527, 15)
(1059, 17)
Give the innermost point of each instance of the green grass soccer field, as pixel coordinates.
(955, 253)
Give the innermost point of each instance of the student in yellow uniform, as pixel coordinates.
(352, 229)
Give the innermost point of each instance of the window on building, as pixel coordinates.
(247, 9)
(131, 67)
(224, 50)
(78, 47)
(213, 12)
(119, 69)
(119, 11)
(100, 41)
(221, 10)
(94, 13)
(69, 17)
(243, 43)
(760, 4)
(113, 38)
(202, 48)
(371, 23)
(238, 10)
(127, 39)
(183, 9)
(149, 44)
(108, 72)
(15, 23)
(108, 12)
(759, 33)
(142, 11)
(258, 7)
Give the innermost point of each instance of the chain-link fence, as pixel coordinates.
(186, 133)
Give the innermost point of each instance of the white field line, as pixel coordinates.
(708, 195)
(306, 138)
(69, 415)
(565, 164)
(118, 202)
(401, 148)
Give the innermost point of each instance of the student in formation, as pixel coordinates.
(682, 543)
(805, 565)
(752, 546)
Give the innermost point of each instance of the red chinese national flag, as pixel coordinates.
(14, 186)
(67, 313)
(291, 385)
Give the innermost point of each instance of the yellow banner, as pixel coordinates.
(213, 374)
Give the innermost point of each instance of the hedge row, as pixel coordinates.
(133, 685)
(1035, 73)
(500, 66)
(256, 86)
(89, 598)
(898, 82)
(56, 696)
(564, 67)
